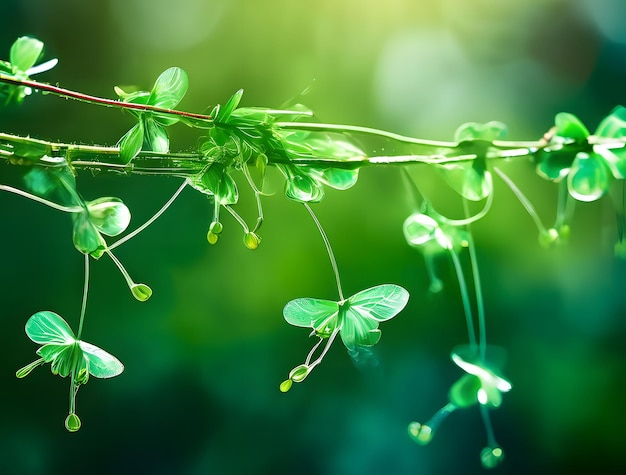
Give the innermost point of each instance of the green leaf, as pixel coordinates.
(589, 178)
(109, 215)
(464, 392)
(489, 131)
(155, 136)
(48, 327)
(101, 363)
(72, 423)
(130, 144)
(216, 181)
(86, 237)
(337, 178)
(25, 52)
(169, 88)
(613, 125)
(470, 180)
(379, 303)
(225, 111)
(570, 127)
(321, 315)
(300, 186)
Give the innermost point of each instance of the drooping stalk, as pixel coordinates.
(83, 306)
(329, 250)
(467, 307)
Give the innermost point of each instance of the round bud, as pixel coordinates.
(211, 237)
(141, 292)
(251, 240)
(491, 457)
(298, 374)
(72, 422)
(216, 227)
(549, 237)
(420, 433)
(285, 385)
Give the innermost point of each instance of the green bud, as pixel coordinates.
(491, 457)
(72, 422)
(420, 433)
(212, 238)
(298, 374)
(285, 385)
(251, 240)
(141, 292)
(216, 227)
(549, 237)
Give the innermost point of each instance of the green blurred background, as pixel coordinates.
(205, 355)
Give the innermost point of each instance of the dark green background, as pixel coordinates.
(205, 355)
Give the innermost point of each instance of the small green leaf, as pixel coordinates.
(26, 370)
(589, 178)
(101, 363)
(570, 127)
(285, 385)
(48, 327)
(420, 433)
(379, 303)
(169, 88)
(155, 136)
(86, 237)
(299, 373)
(613, 125)
(217, 181)
(464, 392)
(225, 111)
(489, 131)
(25, 52)
(130, 144)
(251, 240)
(109, 215)
(470, 180)
(316, 313)
(72, 423)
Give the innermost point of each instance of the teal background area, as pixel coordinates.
(205, 355)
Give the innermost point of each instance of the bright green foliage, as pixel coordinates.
(471, 179)
(483, 383)
(356, 319)
(149, 133)
(23, 57)
(68, 356)
(107, 216)
(590, 168)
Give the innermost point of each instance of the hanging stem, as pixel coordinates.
(83, 306)
(51, 204)
(467, 308)
(329, 249)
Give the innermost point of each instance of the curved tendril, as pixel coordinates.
(329, 250)
(491, 439)
(468, 219)
(152, 219)
(83, 306)
(312, 352)
(239, 219)
(257, 197)
(467, 308)
(319, 359)
(51, 204)
(523, 200)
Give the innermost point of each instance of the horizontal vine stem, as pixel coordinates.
(79, 96)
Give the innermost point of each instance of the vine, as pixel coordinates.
(244, 141)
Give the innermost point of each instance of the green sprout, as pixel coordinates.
(355, 319)
(68, 356)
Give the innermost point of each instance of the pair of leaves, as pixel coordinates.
(24, 55)
(590, 169)
(67, 355)
(105, 215)
(304, 183)
(427, 234)
(356, 318)
(471, 179)
(149, 133)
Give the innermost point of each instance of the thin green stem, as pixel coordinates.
(329, 250)
(79, 96)
(51, 204)
(83, 306)
(467, 308)
(491, 439)
(480, 305)
(240, 220)
(152, 219)
(523, 200)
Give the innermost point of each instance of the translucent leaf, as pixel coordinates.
(227, 109)
(358, 330)
(464, 392)
(155, 136)
(109, 215)
(25, 52)
(316, 313)
(26, 370)
(130, 144)
(614, 125)
(48, 327)
(141, 292)
(338, 178)
(86, 237)
(569, 126)
(379, 303)
(101, 363)
(68, 359)
(72, 423)
(419, 229)
(55, 184)
(489, 131)
(169, 88)
(216, 181)
(299, 186)
(589, 179)
(467, 179)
